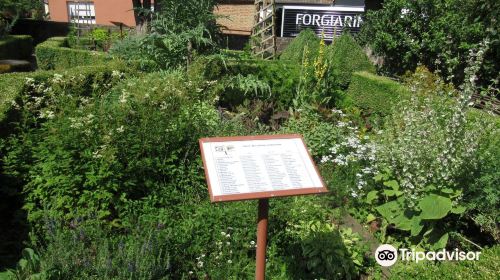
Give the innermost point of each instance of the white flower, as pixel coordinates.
(199, 264)
(124, 96)
(116, 74)
(120, 129)
(229, 261)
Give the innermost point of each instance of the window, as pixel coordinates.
(46, 6)
(81, 12)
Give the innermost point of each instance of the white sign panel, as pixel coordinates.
(253, 167)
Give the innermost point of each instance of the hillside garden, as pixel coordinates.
(101, 174)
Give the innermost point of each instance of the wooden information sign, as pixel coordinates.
(259, 167)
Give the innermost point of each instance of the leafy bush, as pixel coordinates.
(112, 149)
(102, 38)
(55, 54)
(281, 77)
(85, 79)
(23, 103)
(485, 268)
(438, 34)
(313, 245)
(129, 49)
(316, 132)
(95, 252)
(305, 45)
(345, 57)
(16, 47)
(375, 95)
(483, 195)
(325, 71)
(176, 36)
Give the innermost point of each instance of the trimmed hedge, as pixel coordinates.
(16, 47)
(295, 50)
(54, 54)
(345, 56)
(375, 95)
(13, 84)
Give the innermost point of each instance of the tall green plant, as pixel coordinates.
(437, 33)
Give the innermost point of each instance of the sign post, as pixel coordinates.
(259, 167)
(260, 268)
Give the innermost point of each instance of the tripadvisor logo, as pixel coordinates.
(387, 255)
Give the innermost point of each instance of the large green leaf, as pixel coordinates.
(370, 218)
(401, 222)
(393, 184)
(392, 193)
(434, 207)
(458, 210)
(390, 209)
(371, 196)
(437, 239)
(416, 226)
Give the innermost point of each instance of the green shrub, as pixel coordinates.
(427, 156)
(23, 101)
(311, 246)
(54, 54)
(486, 267)
(345, 57)
(111, 149)
(130, 49)
(318, 134)
(281, 76)
(16, 47)
(483, 195)
(142, 253)
(306, 41)
(14, 85)
(373, 94)
(438, 34)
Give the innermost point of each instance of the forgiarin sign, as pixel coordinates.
(329, 21)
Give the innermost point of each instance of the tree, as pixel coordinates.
(12, 10)
(436, 33)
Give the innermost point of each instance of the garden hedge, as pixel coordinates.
(373, 94)
(345, 56)
(16, 47)
(306, 39)
(13, 84)
(54, 54)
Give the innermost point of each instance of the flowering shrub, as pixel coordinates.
(427, 143)
(354, 155)
(109, 150)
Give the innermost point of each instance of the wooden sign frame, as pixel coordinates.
(264, 194)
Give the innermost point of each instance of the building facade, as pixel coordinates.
(236, 16)
(325, 17)
(101, 12)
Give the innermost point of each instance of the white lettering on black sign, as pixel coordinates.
(329, 21)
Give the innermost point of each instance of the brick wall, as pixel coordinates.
(238, 18)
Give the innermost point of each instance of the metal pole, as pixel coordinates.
(260, 268)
